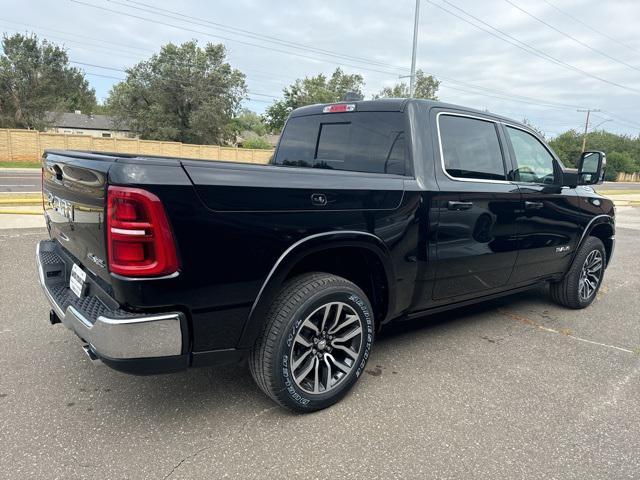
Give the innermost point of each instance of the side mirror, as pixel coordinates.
(568, 176)
(592, 167)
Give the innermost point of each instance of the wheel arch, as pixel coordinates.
(602, 227)
(307, 253)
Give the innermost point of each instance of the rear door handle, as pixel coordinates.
(533, 205)
(459, 205)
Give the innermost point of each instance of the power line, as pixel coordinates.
(597, 30)
(503, 97)
(525, 99)
(83, 44)
(543, 103)
(449, 79)
(247, 33)
(507, 98)
(495, 94)
(235, 30)
(516, 99)
(263, 95)
(241, 42)
(124, 71)
(92, 74)
(97, 66)
(571, 37)
(123, 45)
(620, 119)
(257, 100)
(268, 48)
(522, 45)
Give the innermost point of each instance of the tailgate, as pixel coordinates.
(74, 190)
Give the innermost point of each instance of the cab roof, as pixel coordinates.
(397, 105)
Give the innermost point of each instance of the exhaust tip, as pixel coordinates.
(90, 353)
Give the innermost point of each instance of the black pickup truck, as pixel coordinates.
(369, 212)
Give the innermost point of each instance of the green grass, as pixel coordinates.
(19, 164)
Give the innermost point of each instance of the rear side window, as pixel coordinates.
(371, 142)
(470, 148)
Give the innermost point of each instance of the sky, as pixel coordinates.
(534, 59)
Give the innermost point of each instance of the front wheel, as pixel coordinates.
(315, 344)
(580, 285)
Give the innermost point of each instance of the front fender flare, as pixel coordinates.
(593, 223)
(298, 251)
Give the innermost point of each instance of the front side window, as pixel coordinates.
(470, 148)
(534, 163)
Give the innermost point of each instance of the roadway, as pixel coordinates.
(20, 180)
(515, 388)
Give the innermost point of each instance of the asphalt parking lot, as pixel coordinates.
(515, 388)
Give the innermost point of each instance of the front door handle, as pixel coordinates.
(459, 205)
(533, 205)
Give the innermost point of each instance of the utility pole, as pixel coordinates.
(586, 125)
(412, 78)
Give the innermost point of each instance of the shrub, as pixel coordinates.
(257, 142)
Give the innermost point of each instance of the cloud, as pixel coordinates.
(467, 58)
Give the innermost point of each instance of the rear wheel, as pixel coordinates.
(315, 344)
(580, 285)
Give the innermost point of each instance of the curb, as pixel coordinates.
(25, 203)
(20, 199)
(21, 195)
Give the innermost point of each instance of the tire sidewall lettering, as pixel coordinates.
(361, 306)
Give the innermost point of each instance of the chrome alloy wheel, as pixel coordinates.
(326, 347)
(590, 275)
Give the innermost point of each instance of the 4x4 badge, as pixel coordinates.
(95, 259)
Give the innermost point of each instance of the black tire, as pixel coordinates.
(271, 358)
(567, 291)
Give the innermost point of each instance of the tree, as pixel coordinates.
(310, 90)
(568, 146)
(184, 93)
(426, 86)
(35, 78)
(623, 151)
(249, 121)
(621, 162)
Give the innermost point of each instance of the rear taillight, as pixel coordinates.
(139, 239)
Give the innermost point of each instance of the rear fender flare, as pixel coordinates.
(297, 252)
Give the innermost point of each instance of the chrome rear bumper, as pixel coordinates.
(115, 335)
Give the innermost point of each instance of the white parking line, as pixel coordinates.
(564, 333)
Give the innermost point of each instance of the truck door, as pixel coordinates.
(476, 233)
(550, 220)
